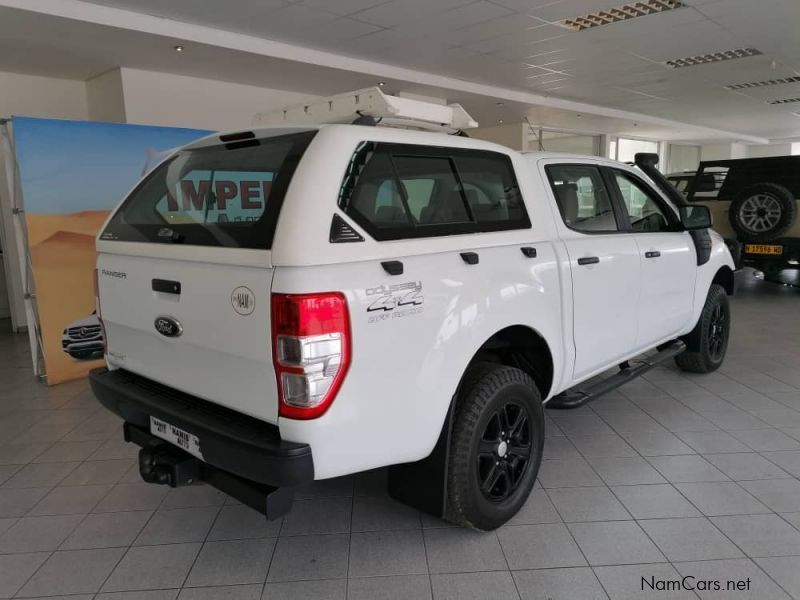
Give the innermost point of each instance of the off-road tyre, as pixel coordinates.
(762, 212)
(487, 391)
(708, 341)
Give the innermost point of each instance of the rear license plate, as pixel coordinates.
(178, 437)
(772, 249)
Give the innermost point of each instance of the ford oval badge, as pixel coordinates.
(168, 326)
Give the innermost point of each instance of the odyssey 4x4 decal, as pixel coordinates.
(394, 301)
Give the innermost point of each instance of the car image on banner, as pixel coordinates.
(73, 173)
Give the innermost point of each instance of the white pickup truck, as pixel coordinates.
(285, 305)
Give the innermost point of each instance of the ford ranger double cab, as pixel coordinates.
(291, 304)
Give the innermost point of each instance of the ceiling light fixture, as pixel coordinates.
(765, 83)
(178, 48)
(619, 13)
(381, 83)
(784, 101)
(704, 59)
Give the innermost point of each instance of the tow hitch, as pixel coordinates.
(164, 464)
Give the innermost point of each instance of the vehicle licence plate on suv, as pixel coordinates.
(773, 249)
(178, 437)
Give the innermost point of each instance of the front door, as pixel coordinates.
(604, 264)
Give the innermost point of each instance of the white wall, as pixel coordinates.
(32, 96)
(723, 151)
(174, 100)
(106, 97)
(769, 150)
(511, 135)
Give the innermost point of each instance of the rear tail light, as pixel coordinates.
(96, 284)
(311, 351)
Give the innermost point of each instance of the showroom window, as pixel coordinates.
(398, 191)
(582, 198)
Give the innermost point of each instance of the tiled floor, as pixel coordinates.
(673, 475)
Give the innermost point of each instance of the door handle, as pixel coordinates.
(652, 254)
(529, 251)
(165, 286)
(588, 260)
(471, 258)
(392, 267)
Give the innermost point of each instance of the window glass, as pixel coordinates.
(225, 195)
(708, 182)
(645, 213)
(582, 198)
(401, 191)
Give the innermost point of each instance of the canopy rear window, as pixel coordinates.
(227, 195)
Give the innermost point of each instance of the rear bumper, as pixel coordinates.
(791, 252)
(230, 441)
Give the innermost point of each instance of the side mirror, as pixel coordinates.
(695, 216)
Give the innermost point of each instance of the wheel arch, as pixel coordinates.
(724, 277)
(522, 347)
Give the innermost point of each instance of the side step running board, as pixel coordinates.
(586, 392)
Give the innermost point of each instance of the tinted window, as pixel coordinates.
(397, 191)
(644, 211)
(582, 198)
(225, 195)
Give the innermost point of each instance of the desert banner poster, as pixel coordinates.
(73, 173)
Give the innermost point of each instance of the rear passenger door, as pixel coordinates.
(604, 264)
(669, 264)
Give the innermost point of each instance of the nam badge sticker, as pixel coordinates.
(243, 300)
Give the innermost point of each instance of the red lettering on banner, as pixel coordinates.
(194, 198)
(267, 189)
(248, 193)
(225, 190)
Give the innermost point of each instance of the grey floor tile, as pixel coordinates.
(318, 515)
(656, 443)
(641, 582)
(115, 448)
(654, 501)
(327, 488)
(310, 557)
(539, 547)
(632, 470)
(387, 553)
(73, 572)
(393, 587)
(232, 592)
(588, 504)
(326, 589)
(177, 525)
(232, 562)
(721, 498)
(537, 509)
(71, 500)
(98, 472)
(192, 496)
(40, 475)
(370, 483)
(132, 496)
(460, 550)
(67, 452)
(376, 513)
(615, 542)
(568, 472)
(733, 572)
(35, 534)
(788, 460)
(781, 495)
(152, 568)
(6, 523)
(238, 522)
(760, 535)
(707, 442)
(784, 570)
(138, 595)
(574, 425)
(575, 583)
(746, 466)
(8, 471)
(20, 454)
(17, 502)
(682, 469)
(734, 419)
(107, 530)
(559, 447)
(766, 440)
(498, 585)
(793, 518)
(15, 569)
(603, 446)
(689, 539)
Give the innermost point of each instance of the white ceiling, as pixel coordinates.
(510, 44)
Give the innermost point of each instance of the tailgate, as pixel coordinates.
(216, 342)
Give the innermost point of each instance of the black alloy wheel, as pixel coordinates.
(504, 451)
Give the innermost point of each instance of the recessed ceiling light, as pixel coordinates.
(178, 48)
(704, 59)
(765, 83)
(499, 103)
(619, 13)
(784, 101)
(500, 121)
(381, 83)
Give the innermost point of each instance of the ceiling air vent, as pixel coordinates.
(704, 59)
(784, 101)
(620, 13)
(768, 82)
